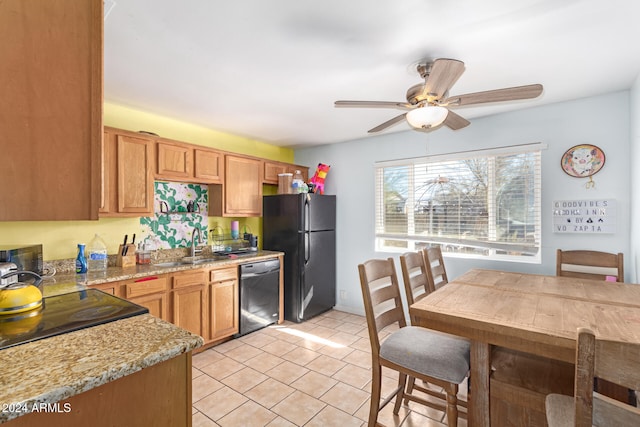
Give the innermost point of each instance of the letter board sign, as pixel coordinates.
(584, 216)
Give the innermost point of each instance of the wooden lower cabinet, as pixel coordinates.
(112, 288)
(189, 301)
(150, 292)
(223, 303)
(202, 301)
(158, 396)
(156, 303)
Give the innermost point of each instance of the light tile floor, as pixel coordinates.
(316, 373)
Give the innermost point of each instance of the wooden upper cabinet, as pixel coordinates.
(241, 194)
(209, 166)
(174, 161)
(51, 68)
(271, 169)
(127, 184)
(184, 162)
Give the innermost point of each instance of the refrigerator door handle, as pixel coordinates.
(307, 230)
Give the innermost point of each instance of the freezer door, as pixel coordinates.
(319, 212)
(318, 277)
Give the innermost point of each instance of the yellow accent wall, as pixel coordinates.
(60, 238)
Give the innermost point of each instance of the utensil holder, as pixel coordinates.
(128, 260)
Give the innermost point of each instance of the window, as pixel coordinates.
(480, 204)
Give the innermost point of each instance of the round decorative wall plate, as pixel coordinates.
(582, 160)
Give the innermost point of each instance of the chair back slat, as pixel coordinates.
(381, 295)
(434, 263)
(590, 264)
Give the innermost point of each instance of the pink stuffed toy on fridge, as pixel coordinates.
(318, 178)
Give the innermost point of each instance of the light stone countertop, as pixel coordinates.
(114, 274)
(56, 368)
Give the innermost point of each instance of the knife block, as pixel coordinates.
(128, 260)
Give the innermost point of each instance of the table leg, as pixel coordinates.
(479, 415)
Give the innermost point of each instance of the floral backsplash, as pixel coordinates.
(179, 208)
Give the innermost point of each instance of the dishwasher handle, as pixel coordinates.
(259, 268)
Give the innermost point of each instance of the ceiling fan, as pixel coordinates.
(429, 103)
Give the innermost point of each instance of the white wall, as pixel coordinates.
(634, 177)
(601, 121)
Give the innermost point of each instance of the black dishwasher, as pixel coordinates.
(259, 295)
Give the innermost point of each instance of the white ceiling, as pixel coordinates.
(271, 69)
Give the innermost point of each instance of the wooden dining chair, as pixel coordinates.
(410, 350)
(436, 272)
(615, 361)
(417, 286)
(590, 265)
(414, 276)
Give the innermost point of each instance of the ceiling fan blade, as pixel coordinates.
(455, 121)
(388, 123)
(443, 75)
(497, 95)
(373, 104)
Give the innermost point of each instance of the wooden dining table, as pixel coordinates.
(531, 313)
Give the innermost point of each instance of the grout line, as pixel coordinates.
(326, 321)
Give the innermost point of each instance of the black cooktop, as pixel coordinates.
(65, 313)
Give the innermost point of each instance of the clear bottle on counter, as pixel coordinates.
(97, 259)
(81, 260)
(297, 182)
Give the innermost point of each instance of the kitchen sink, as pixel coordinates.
(206, 260)
(170, 264)
(189, 261)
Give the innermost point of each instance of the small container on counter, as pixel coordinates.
(235, 230)
(143, 256)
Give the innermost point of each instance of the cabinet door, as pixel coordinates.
(174, 161)
(107, 186)
(223, 306)
(135, 180)
(112, 288)
(190, 309)
(51, 68)
(242, 186)
(209, 166)
(156, 303)
(271, 171)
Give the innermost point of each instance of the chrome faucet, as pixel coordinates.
(195, 251)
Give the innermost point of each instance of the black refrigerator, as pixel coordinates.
(303, 226)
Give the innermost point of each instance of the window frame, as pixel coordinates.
(491, 153)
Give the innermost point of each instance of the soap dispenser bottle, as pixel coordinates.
(81, 260)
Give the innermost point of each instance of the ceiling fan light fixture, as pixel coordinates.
(427, 117)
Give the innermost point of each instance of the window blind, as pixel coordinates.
(479, 203)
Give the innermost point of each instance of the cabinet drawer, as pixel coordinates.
(145, 286)
(224, 274)
(187, 279)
